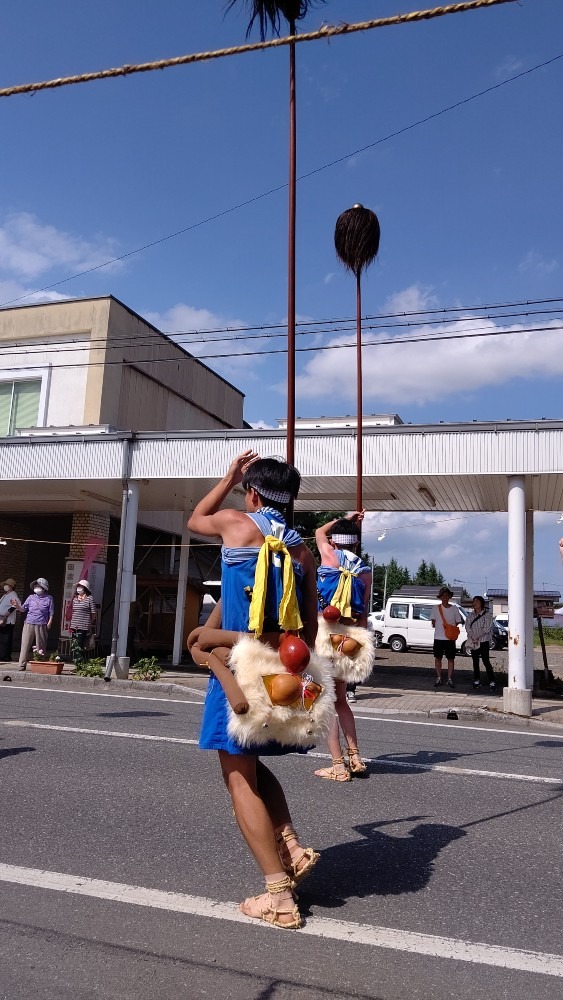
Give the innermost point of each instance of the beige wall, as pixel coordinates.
(132, 377)
(156, 393)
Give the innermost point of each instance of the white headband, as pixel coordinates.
(345, 539)
(278, 496)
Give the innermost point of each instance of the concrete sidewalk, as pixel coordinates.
(410, 691)
(391, 690)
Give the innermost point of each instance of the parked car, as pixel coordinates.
(375, 619)
(407, 621)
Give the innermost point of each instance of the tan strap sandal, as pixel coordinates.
(332, 774)
(296, 867)
(276, 906)
(358, 767)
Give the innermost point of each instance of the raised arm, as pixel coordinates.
(206, 518)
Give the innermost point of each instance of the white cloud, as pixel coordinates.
(415, 298)
(29, 249)
(422, 371)
(536, 263)
(261, 425)
(13, 292)
(183, 319)
(467, 547)
(509, 66)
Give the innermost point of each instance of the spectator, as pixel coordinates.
(38, 608)
(7, 619)
(83, 619)
(479, 626)
(445, 619)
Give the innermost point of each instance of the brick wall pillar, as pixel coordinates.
(85, 528)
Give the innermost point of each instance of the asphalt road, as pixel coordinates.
(440, 874)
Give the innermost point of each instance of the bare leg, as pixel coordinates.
(276, 905)
(451, 665)
(438, 667)
(338, 771)
(251, 813)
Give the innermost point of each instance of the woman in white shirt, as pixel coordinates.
(479, 626)
(7, 619)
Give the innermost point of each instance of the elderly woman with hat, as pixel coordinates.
(7, 619)
(83, 619)
(38, 609)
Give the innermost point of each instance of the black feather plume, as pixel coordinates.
(356, 238)
(268, 13)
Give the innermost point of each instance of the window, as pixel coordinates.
(399, 611)
(422, 612)
(19, 405)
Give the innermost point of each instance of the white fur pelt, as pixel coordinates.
(354, 669)
(251, 660)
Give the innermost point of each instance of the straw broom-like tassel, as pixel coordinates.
(356, 239)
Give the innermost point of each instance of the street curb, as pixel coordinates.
(89, 683)
(180, 691)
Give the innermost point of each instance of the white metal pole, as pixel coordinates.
(529, 598)
(128, 563)
(181, 594)
(517, 697)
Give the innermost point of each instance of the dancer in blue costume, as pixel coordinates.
(338, 542)
(258, 799)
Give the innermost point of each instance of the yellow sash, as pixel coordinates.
(289, 617)
(342, 597)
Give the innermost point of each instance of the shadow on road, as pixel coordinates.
(380, 864)
(14, 751)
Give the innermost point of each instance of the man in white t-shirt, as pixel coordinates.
(445, 614)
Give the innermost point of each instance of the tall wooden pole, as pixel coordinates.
(359, 396)
(292, 207)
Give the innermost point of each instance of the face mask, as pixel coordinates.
(38, 590)
(6, 588)
(80, 590)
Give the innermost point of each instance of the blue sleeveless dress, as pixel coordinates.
(329, 576)
(238, 567)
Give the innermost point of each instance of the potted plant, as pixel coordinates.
(40, 663)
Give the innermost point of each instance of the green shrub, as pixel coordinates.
(552, 636)
(95, 667)
(147, 669)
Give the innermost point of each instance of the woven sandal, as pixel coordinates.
(359, 769)
(332, 774)
(278, 912)
(297, 868)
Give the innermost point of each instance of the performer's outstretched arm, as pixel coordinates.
(206, 518)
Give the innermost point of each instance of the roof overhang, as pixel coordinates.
(454, 467)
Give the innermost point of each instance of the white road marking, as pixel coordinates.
(321, 927)
(102, 694)
(445, 725)
(442, 768)
(23, 724)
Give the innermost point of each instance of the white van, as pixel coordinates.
(408, 622)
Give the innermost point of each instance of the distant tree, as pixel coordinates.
(397, 576)
(434, 576)
(421, 575)
(307, 521)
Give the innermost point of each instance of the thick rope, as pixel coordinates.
(327, 31)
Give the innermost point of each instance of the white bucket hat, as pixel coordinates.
(83, 583)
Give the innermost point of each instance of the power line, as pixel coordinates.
(283, 186)
(155, 339)
(317, 348)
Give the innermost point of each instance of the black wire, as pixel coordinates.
(155, 339)
(300, 350)
(281, 187)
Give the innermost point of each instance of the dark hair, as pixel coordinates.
(481, 600)
(345, 527)
(273, 475)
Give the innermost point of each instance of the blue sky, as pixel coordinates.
(469, 205)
